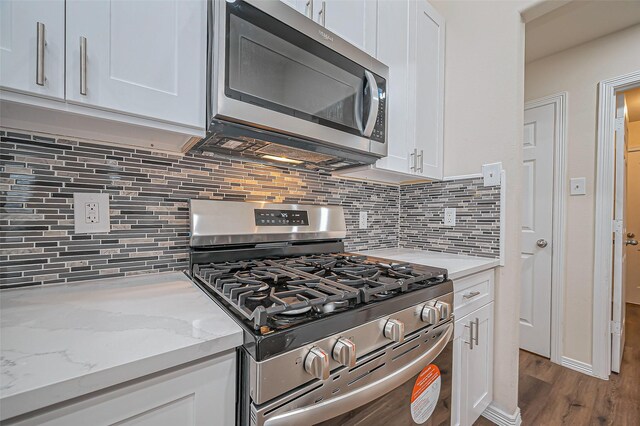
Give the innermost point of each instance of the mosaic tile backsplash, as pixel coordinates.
(477, 229)
(149, 195)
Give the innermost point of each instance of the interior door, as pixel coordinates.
(620, 237)
(537, 219)
(632, 208)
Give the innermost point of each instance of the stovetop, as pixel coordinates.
(275, 294)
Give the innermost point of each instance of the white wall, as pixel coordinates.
(483, 124)
(578, 71)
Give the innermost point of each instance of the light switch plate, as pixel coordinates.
(363, 220)
(491, 174)
(578, 186)
(91, 213)
(450, 217)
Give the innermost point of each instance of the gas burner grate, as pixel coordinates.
(276, 293)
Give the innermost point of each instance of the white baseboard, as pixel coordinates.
(502, 418)
(576, 365)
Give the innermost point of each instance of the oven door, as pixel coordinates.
(274, 70)
(403, 384)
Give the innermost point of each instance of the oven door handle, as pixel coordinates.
(333, 407)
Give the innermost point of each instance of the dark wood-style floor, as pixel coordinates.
(553, 395)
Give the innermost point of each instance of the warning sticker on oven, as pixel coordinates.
(426, 391)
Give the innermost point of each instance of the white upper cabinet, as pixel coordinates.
(136, 57)
(393, 50)
(410, 40)
(302, 6)
(426, 79)
(32, 47)
(353, 20)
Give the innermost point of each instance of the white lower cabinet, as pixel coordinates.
(472, 362)
(201, 393)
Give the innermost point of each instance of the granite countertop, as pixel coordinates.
(457, 265)
(62, 341)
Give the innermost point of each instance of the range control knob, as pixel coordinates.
(445, 309)
(394, 330)
(430, 314)
(317, 363)
(344, 352)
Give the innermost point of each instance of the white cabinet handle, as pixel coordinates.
(421, 160)
(40, 54)
(470, 295)
(83, 66)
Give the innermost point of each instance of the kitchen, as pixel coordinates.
(143, 187)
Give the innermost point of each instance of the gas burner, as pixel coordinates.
(280, 292)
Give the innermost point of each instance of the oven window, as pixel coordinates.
(279, 68)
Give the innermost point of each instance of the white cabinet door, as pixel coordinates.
(393, 51)
(141, 58)
(353, 20)
(29, 63)
(301, 6)
(473, 366)
(426, 80)
(200, 394)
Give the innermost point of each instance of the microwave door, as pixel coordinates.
(278, 78)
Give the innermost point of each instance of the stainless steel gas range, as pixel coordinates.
(329, 337)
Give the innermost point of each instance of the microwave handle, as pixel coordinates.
(333, 407)
(373, 104)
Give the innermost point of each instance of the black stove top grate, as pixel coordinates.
(271, 294)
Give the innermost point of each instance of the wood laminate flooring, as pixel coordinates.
(553, 395)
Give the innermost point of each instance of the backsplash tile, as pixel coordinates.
(149, 195)
(477, 230)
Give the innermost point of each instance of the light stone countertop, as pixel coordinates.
(457, 265)
(63, 341)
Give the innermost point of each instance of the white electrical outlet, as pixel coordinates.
(450, 217)
(363, 220)
(91, 213)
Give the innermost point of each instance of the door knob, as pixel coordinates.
(631, 242)
(542, 243)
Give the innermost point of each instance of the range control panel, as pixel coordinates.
(269, 217)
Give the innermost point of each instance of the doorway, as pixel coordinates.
(543, 224)
(632, 206)
(609, 286)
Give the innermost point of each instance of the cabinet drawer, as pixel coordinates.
(472, 292)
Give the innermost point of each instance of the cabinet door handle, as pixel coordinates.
(421, 160)
(83, 66)
(322, 15)
(414, 160)
(470, 295)
(471, 340)
(40, 54)
(309, 9)
(477, 322)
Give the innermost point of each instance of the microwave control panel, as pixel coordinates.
(379, 130)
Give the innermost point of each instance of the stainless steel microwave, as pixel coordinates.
(284, 89)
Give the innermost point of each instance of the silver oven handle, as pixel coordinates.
(333, 407)
(373, 105)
